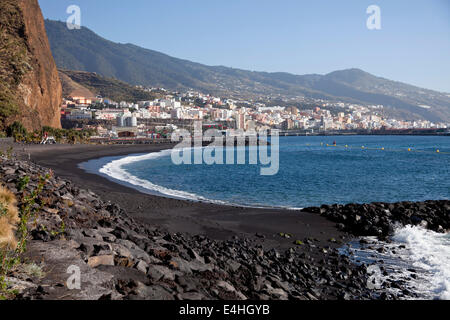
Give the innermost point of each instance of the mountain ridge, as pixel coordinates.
(86, 51)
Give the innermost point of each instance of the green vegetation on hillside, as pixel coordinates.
(8, 105)
(14, 58)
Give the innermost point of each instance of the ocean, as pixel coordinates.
(312, 172)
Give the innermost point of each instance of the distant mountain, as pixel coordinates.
(84, 50)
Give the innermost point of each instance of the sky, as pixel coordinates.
(296, 36)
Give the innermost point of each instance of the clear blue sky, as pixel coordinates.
(297, 36)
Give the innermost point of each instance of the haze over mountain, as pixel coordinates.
(86, 51)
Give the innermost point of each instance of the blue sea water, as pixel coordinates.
(310, 173)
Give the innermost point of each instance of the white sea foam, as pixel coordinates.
(418, 257)
(115, 170)
(430, 252)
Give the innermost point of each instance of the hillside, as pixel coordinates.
(84, 50)
(71, 88)
(90, 84)
(30, 90)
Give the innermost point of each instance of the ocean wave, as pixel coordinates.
(430, 252)
(114, 169)
(417, 257)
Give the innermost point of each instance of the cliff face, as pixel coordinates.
(30, 89)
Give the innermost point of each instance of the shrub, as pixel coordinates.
(10, 248)
(8, 105)
(9, 218)
(17, 131)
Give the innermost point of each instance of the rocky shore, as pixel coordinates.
(120, 258)
(132, 245)
(379, 219)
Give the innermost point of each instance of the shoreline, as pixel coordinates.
(318, 233)
(94, 166)
(218, 222)
(122, 258)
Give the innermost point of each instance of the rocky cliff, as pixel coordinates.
(30, 89)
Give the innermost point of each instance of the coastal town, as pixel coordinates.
(332, 184)
(172, 111)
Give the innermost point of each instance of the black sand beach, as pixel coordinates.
(140, 246)
(215, 221)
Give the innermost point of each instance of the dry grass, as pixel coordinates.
(9, 218)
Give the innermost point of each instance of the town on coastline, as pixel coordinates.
(69, 231)
(172, 111)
